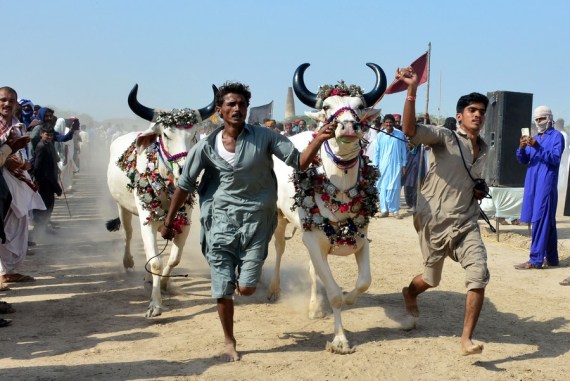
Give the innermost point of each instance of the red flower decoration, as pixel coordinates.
(336, 91)
(325, 197)
(343, 208)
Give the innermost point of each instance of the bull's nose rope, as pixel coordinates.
(341, 110)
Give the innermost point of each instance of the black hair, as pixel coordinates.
(10, 90)
(235, 88)
(389, 116)
(469, 99)
(450, 123)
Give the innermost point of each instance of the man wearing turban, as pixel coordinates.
(542, 154)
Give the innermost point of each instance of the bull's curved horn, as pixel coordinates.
(209, 110)
(140, 110)
(379, 87)
(304, 95)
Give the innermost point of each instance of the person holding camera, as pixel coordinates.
(542, 154)
(447, 206)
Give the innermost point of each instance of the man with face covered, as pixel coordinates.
(542, 153)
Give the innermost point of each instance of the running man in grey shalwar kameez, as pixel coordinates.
(238, 198)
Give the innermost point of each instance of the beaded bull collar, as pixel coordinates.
(150, 185)
(362, 204)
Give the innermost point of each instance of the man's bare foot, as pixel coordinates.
(230, 354)
(468, 347)
(410, 302)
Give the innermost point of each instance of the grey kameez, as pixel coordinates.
(446, 211)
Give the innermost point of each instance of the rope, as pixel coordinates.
(160, 275)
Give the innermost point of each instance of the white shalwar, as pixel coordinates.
(24, 199)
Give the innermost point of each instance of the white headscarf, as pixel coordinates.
(541, 112)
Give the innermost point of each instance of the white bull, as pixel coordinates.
(333, 200)
(143, 169)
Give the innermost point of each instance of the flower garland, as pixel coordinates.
(341, 89)
(363, 202)
(183, 118)
(150, 186)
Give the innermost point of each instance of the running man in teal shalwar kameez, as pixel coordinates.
(238, 198)
(542, 153)
(390, 155)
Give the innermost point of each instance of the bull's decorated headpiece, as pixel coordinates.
(179, 118)
(316, 100)
(340, 89)
(184, 118)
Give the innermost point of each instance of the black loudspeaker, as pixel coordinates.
(506, 114)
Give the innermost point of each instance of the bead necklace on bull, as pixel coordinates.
(361, 201)
(151, 184)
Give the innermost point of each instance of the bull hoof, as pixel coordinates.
(128, 263)
(340, 347)
(153, 312)
(273, 296)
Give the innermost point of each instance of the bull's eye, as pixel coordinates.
(325, 108)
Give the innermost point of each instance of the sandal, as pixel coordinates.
(5, 322)
(527, 266)
(6, 308)
(565, 282)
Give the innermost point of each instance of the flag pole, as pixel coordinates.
(428, 73)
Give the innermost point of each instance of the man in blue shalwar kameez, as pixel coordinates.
(542, 153)
(390, 155)
(238, 198)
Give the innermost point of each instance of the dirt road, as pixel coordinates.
(83, 317)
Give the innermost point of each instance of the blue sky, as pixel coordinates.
(85, 56)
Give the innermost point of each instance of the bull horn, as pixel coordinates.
(301, 91)
(379, 87)
(209, 110)
(140, 110)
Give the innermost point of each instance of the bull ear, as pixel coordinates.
(317, 116)
(145, 139)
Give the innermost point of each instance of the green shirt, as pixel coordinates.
(245, 193)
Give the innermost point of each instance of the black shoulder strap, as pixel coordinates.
(481, 212)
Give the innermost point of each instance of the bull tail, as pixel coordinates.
(113, 225)
(292, 234)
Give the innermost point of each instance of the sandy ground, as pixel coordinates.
(83, 318)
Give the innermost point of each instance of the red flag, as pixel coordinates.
(420, 66)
